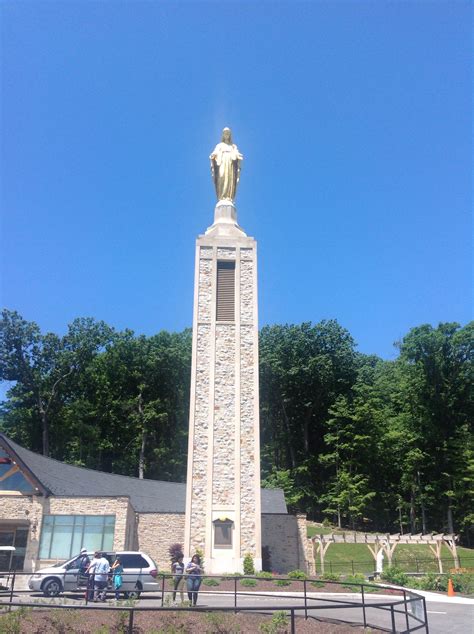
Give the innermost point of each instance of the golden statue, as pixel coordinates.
(225, 167)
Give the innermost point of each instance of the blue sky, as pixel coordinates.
(354, 119)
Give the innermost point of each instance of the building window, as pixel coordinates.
(11, 478)
(225, 310)
(63, 536)
(223, 533)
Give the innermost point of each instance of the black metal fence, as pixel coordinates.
(404, 613)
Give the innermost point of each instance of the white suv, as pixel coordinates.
(139, 575)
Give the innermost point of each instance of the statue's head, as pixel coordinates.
(226, 135)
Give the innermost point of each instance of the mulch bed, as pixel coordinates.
(270, 585)
(64, 621)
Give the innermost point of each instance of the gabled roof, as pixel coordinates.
(146, 496)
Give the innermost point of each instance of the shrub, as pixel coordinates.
(357, 578)
(216, 621)
(249, 568)
(210, 581)
(463, 583)
(394, 575)
(279, 623)
(264, 575)
(248, 583)
(175, 551)
(431, 581)
(329, 576)
(297, 574)
(12, 622)
(63, 621)
(318, 584)
(121, 622)
(282, 582)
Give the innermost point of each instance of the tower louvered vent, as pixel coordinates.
(225, 291)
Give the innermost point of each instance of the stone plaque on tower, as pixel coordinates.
(223, 511)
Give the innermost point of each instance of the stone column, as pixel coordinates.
(223, 482)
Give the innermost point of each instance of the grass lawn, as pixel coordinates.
(343, 558)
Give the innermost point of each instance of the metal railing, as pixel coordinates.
(408, 608)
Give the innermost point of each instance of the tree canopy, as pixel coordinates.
(367, 443)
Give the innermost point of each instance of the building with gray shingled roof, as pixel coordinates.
(50, 510)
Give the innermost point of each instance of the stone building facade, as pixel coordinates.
(49, 510)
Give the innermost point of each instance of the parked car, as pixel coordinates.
(139, 575)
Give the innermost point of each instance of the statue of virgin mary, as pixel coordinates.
(225, 167)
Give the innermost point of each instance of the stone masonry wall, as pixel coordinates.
(120, 507)
(246, 291)
(25, 511)
(156, 533)
(248, 458)
(305, 544)
(226, 253)
(218, 359)
(283, 535)
(201, 430)
(223, 481)
(247, 442)
(32, 509)
(205, 290)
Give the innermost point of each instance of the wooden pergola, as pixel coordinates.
(387, 543)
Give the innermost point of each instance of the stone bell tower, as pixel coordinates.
(223, 513)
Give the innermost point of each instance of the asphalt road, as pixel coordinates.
(443, 617)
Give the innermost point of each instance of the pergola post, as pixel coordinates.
(437, 553)
(322, 548)
(377, 547)
(390, 549)
(450, 541)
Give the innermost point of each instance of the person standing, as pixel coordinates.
(102, 569)
(177, 568)
(82, 566)
(90, 572)
(193, 578)
(117, 570)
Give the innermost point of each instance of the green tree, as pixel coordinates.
(438, 377)
(303, 369)
(40, 366)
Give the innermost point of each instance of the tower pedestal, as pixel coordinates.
(223, 512)
(225, 221)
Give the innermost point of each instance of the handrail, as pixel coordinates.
(406, 605)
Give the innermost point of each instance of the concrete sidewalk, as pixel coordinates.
(437, 597)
